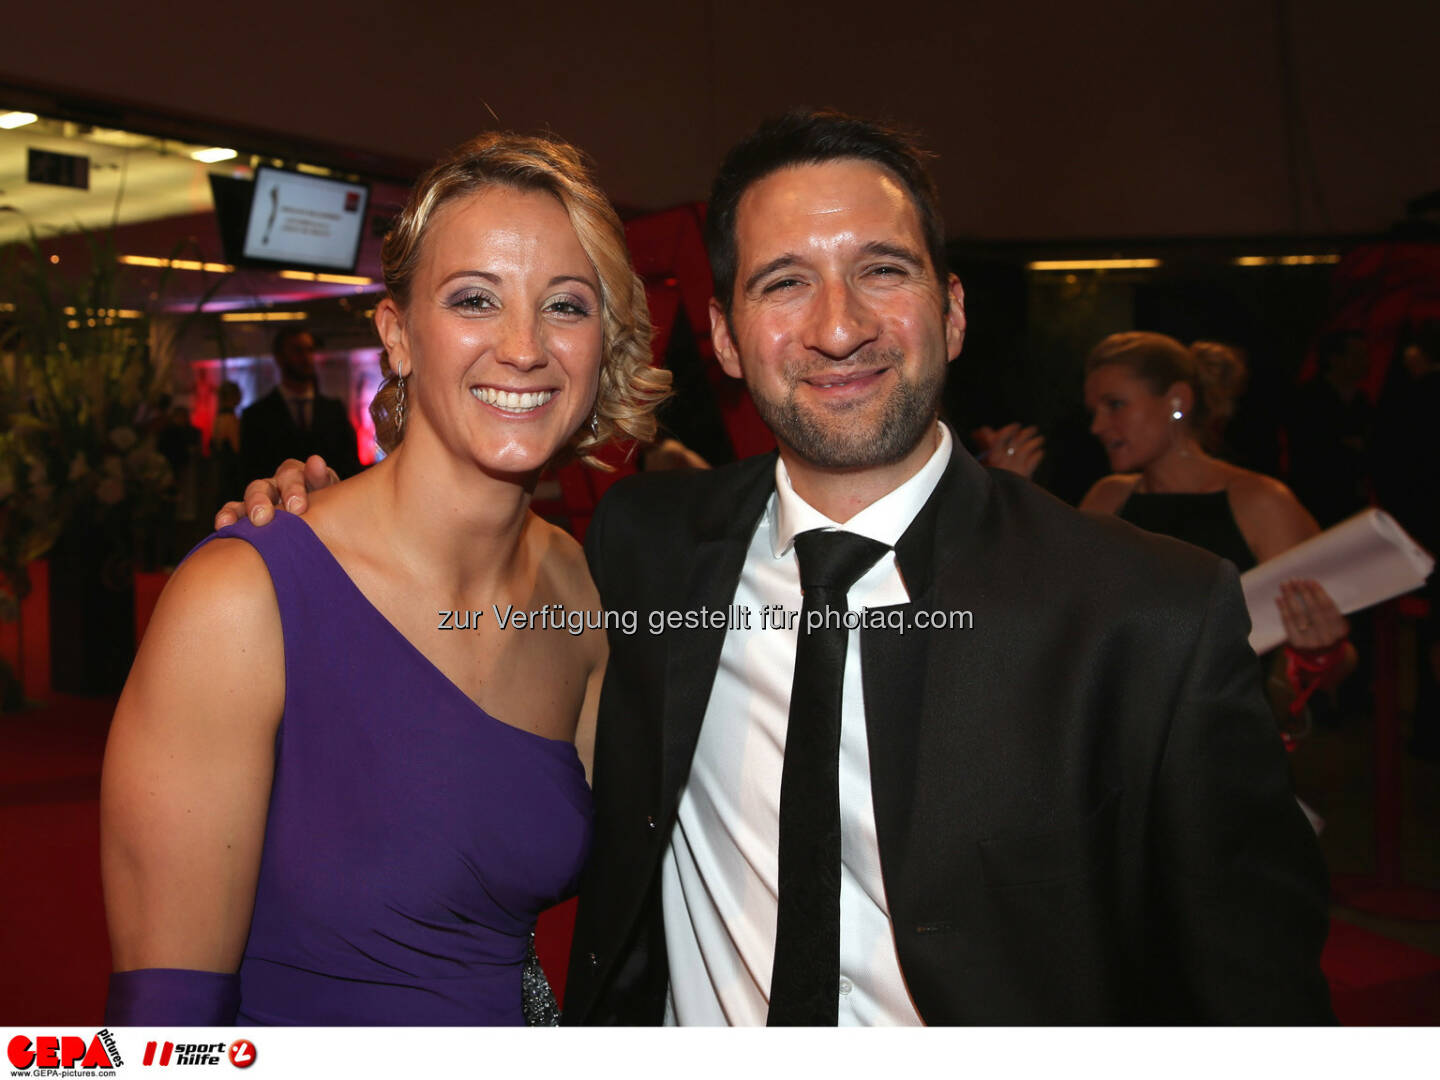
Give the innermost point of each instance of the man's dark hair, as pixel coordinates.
(812, 137)
(286, 333)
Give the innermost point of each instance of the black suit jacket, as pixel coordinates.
(1082, 804)
(269, 435)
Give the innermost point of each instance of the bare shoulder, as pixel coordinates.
(216, 629)
(1110, 493)
(223, 563)
(1268, 513)
(224, 584)
(207, 687)
(188, 766)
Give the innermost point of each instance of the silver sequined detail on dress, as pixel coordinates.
(536, 997)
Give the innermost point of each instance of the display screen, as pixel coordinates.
(303, 221)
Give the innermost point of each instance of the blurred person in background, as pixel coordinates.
(1406, 468)
(225, 443)
(1329, 430)
(1155, 404)
(1158, 409)
(295, 420)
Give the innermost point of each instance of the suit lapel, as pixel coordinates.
(893, 674)
(724, 529)
(895, 666)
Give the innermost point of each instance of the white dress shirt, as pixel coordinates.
(719, 874)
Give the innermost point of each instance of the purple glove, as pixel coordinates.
(166, 997)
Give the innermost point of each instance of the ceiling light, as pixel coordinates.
(264, 316)
(328, 279)
(175, 264)
(11, 120)
(1286, 260)
(213, 154)
(1094, 264)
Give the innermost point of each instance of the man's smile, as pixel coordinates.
(844, 384)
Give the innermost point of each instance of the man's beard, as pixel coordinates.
(834, 440)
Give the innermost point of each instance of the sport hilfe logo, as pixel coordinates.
(241, 1053)
(64, 1051)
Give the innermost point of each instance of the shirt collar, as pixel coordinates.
(885, 520)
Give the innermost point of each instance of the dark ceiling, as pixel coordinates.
(1116, 118)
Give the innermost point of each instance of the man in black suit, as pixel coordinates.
(1061, 795)
(295, 420)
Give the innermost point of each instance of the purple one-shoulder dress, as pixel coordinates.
(412, 838)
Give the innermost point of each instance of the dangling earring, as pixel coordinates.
(595, 423)
(400, 402)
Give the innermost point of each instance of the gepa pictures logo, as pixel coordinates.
(64, 1052)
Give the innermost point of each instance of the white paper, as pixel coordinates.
(1360, 562)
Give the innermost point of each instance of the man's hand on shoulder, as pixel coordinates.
(289, 487)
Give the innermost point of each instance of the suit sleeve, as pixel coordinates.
(254, 446)
(1243, 883)
(594, 545)
(346, 462)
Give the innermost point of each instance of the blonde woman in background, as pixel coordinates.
(1159, 409)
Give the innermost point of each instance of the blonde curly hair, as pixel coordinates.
(630, 388)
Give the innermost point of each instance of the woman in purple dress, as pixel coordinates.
(371, 843)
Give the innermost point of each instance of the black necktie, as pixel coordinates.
(804, 985)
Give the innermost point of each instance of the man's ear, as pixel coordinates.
(725, 350)
(390, 325)
(955, 317)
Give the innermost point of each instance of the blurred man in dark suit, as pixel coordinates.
(294, 420)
